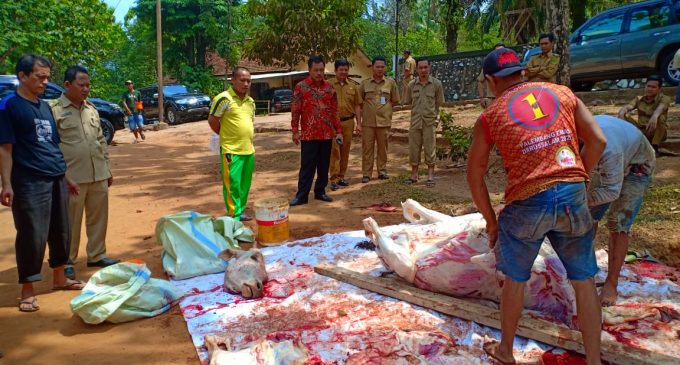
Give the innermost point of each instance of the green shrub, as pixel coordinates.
(458, 139)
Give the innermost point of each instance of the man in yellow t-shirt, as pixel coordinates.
(232, 114)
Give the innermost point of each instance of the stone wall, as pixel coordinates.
(458, 72)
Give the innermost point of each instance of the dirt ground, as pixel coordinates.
(173, 170)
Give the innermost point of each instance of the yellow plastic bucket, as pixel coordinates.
(271, 216)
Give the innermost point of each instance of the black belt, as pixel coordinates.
(347, 118)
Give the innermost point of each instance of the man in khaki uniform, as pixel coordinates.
(87, 160)
(652, 110)
(379, 95)
(425, 95)
(349, 108)
(485, 96)
(543, 67)
(409, 69)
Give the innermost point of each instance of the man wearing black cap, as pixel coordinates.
(132, 104)
(485, 97)
(536, 127)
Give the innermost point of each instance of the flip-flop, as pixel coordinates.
(410, 181)
(32, 301)
(73, 285)
(383, 207)
(487, 347)
(430, 183)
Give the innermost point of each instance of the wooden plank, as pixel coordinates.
(536, 329)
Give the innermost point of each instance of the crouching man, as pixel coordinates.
(624, 172)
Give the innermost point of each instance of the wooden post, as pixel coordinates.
(159, 61)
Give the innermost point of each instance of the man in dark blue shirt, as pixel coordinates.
(32, 170)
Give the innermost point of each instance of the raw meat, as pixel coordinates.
(450, 256)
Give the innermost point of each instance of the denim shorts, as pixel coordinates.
(622, 211)
(559, 213)
(135, 121)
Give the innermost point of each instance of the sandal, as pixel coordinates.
(410, 181)
(430, 183)
(70, 285)
(29, 304)
(382, 207)
(492, 354)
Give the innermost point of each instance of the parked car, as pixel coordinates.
(279, 99)
(630, 41)
(180, 103)
(111, 115)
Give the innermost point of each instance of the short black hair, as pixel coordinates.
(73, 71)
(238, 69)
(378, 58)
(550, 36)
(423, 58)
(27, 61)
(315, 59)
(341, 62)
(499, 44)
(654, 78)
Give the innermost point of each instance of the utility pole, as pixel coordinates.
(159, 61)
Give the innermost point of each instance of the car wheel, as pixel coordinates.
(171, 116)
(272, 109)
(582, 86)
(107, 130)
(670, 75)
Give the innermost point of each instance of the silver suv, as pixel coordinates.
(631, 41)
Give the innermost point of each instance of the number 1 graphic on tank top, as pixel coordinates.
(535, 107)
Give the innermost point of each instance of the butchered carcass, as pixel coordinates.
(452, 256)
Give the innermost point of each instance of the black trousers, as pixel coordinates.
(40, 211)
(315, 156)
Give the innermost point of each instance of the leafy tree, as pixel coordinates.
(67, 32)
(290, 31)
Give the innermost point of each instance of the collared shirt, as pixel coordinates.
(378, 97)
(550, 63)
(82, 140)
(534, 128)
(425, 101)
(626, 146)
(236, 122)
(348, 96)
(646, 109)
(30, 128)
(314, 110)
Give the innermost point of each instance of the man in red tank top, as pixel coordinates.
(536, 127)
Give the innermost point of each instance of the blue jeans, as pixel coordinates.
(559, 213)
(622, 211)
(135, 121)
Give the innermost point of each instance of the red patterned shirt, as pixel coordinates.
(315, 111)
(534, 128)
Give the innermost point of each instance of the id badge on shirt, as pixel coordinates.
(382, 100)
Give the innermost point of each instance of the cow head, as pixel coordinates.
(246, 273)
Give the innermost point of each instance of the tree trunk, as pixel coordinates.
(7, 53)
(578, 13)
(557, 17)
(451, 37)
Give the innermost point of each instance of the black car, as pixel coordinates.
(279, 99)
(111, 116)
(179, 103)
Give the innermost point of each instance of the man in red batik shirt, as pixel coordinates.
(314, 122)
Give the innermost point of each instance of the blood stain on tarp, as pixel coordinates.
(195, 291)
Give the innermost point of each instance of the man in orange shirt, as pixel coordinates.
(536, 127)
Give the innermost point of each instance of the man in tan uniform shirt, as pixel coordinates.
(425, 94)
(87, 160)
(543, 67)
(349, 108)
(409, 69)
(652, 110)
(379, 95)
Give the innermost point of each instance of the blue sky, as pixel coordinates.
(121, 6)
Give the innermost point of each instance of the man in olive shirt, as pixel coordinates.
(425, 95)
(543, 67)
(87, 160)
(349, 108)
(652, 110)
(408, 71)
(379, 95)
(131, 102)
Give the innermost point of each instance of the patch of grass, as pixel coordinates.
(661, 205)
